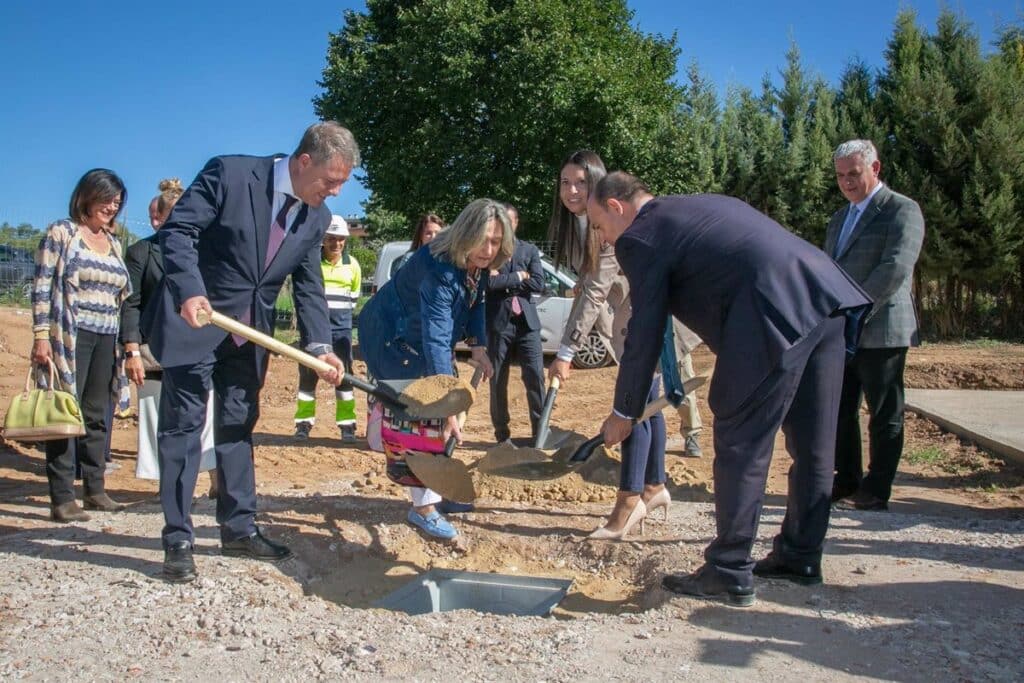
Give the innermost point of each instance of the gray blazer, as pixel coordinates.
(880, 255)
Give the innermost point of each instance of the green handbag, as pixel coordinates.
(43, 414)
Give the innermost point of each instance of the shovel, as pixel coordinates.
(544, 437)
(586, 449)
(532, 464)
(449, 477)
(381, 392)
(449, 447)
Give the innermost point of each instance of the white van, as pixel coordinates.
(553, 306)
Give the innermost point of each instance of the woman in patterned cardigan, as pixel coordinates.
(80, 282)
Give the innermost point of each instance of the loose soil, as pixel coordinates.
(345, 520)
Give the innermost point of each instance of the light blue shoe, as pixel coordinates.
(433, 524)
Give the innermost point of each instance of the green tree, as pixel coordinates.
(456, 99)
(805, 106)
(857, 116)
(694, 146)
(387, 226)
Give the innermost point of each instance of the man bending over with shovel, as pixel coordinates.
(780, 315)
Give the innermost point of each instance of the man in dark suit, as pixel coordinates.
(513, 327)
(240, 229)
(876, 238)
(778, 314)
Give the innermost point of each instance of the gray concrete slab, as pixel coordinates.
(992, 419)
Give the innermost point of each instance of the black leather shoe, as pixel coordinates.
(256, 547)
(179, 567)
(773, 567)
(840, 492)
(708, 584)
(862, 500)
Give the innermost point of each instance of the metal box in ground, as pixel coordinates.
(443, 590)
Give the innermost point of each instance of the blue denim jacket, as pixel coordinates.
(409, 328)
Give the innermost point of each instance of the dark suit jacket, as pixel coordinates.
(214, 244)
(145, 264)
(506, 284)
(880, 255)
(748, 287)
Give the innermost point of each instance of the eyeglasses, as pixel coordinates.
(113, 206)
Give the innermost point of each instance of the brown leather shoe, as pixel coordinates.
(101, 501)
(68, 512)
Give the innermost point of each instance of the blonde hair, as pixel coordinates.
(469, 231)
(170, 191)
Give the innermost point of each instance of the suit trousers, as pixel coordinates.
(519, 341)
(877, 375)
(643, 451)
(94, 373)
(801, 396)
(231, 371)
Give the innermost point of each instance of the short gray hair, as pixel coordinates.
(864, 148)
(469, 231)
(328, 139)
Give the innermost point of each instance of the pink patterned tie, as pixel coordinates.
(277, 233)
(517, 308)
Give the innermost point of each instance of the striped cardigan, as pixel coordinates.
(55, 294)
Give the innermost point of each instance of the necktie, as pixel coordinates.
(517, 308)
(844, 234)
(277, 233)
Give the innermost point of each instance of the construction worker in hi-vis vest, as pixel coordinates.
(342, 281)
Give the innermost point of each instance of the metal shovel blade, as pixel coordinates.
(530, 464)
(447, 476)
(544, 439)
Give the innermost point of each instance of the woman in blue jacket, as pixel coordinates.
(410, 327)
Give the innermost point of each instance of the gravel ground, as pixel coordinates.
(908, 597)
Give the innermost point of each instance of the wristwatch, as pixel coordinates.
(132, 354)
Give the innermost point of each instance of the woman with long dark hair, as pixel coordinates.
(600, 285)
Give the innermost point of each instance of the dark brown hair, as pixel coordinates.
(97, 187)
(619, 185)
(417, 236)
(562, 227)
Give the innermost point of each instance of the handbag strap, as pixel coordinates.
(53, 378)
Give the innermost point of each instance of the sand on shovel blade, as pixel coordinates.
(532, 464)
(506, 455)
(437, 396)
(447, 476)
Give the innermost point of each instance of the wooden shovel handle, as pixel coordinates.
(452, 442)
(265, 340)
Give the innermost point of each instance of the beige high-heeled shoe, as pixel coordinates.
(635, 517)
(661, 499)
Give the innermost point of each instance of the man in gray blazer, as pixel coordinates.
(876, 239)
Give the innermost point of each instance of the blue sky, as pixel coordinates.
(155, 89)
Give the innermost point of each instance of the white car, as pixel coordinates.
(553, 306)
